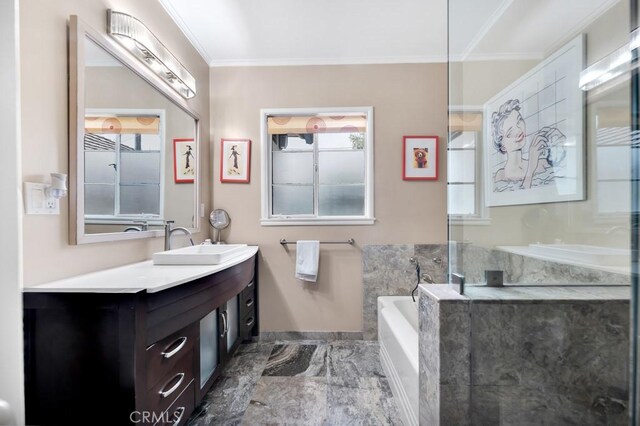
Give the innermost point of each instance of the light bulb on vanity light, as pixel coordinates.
(58, 188)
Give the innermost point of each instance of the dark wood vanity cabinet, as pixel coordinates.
(134, 358)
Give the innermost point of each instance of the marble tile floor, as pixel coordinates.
(301, 383)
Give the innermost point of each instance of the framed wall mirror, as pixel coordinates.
(133, 145)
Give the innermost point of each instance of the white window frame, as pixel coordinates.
(482, 212)
(268, 219)
(122, 219)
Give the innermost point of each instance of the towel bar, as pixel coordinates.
(350, 241)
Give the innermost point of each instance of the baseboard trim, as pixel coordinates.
(272, 336)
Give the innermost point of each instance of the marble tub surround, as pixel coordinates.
(301, 382)
(444, 361)
(472, 260)
(523, 360)
(388, 272)
(548, 293)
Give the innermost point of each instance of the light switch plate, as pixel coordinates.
(36, 200)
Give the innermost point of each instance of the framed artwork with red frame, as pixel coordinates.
(184, 160)
(235, 160)
(420, 158)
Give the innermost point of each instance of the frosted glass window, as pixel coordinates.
(463, 171)
(292, 200)
(609, 164)
(614, 197)
(341, 200)
(462, 166)
(293, 167)
(131, 165)
(139, 167)
(322, 173)
(99, 199)
(208, 346)
(463, 140)
(100, 167)
(140, 199)
(341, 167)
(462, 199)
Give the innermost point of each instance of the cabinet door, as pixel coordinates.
(209, 347)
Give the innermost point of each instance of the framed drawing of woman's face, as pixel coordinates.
(534, 137)
(235, 160)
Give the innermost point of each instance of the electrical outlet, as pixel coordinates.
(37, 201)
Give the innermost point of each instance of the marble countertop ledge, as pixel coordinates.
(442, 293)
(549, 294)
(137, 277)
(528, 294)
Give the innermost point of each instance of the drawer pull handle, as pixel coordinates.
(180, 416)
(225, 326)
(250, 322)
(165, 393)
(249, 303)
(176, 349)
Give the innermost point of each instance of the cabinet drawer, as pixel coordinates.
(247, 323)
(247, 299)
(163, 356)
(180, 411)
(166, 391)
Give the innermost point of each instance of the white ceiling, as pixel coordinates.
(301, 32)
(259, 32)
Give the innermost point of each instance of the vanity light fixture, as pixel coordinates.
(143, 44)
(612, 66)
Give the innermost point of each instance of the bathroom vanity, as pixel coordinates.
(139, 344)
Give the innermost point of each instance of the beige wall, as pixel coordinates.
(407, 100)
(43, 49)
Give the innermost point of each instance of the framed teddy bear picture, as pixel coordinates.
(420, 158)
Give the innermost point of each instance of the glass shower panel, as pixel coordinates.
(534, 158)
(544, 194)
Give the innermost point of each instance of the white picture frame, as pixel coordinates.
(541, 112)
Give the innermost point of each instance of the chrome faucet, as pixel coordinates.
(168, 233)
(144, 226)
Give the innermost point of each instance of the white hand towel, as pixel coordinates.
(307, 260)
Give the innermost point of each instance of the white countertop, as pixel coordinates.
(142, 276)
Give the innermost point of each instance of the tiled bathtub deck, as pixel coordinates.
(301, 383)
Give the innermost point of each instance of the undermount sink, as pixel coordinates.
(199, 255)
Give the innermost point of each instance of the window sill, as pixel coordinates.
(316, 222)
(469, 221)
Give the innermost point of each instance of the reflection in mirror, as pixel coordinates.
(128, 151)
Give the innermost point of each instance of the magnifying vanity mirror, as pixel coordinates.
(133, 146)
